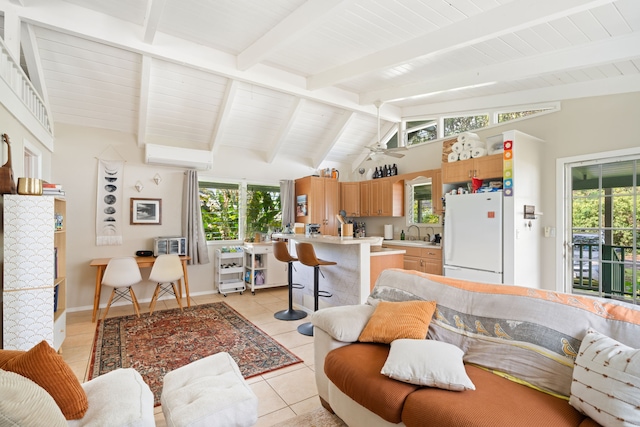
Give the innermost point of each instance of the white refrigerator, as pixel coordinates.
(473, 237)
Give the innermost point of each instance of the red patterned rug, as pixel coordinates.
(157, 344)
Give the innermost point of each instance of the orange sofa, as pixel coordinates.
(520, 347)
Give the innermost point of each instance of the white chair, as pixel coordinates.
(166, 271)
(122, 273)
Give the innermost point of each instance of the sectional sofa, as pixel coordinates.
(447, 352)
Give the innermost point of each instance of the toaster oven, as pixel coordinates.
(169, 245)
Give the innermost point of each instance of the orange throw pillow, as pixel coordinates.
(46, 368)
(6, 355)
(395, 320)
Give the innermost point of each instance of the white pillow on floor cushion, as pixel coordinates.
(606, 381)
(428, 363)
(24, 403)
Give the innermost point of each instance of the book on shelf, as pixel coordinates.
(52, 189)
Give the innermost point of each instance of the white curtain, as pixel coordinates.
(288, 202)
(192, 227)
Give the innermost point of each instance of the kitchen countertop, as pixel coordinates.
(413, 243)
(380, 251)
(334, 240)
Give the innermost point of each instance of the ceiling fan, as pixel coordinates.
(378, 149)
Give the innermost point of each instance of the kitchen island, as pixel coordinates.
(359, 262)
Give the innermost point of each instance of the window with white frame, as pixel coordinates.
(235, 211)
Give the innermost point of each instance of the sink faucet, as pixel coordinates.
(429, 235)
(417, 228)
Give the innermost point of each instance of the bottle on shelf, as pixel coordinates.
(394, 170)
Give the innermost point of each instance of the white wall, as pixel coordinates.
(583, 126)
(17, 135)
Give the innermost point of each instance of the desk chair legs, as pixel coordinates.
(161, 289)
(290, 313)
(121, 293)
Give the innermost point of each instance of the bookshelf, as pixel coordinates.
(34, 271)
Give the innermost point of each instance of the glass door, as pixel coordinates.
(603, 236)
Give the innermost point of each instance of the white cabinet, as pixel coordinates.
(34, 271)
(230, 269)
(262, 270)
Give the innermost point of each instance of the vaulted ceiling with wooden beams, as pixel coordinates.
(300, 77)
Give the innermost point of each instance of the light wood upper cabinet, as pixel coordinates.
(365, 198)
(482, 168)
(323, 202)
(386, 197)
(350, 198)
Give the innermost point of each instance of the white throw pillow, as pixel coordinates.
(606, 381)
(24, 403)
(429, 363)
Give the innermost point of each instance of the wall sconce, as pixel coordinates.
(157, 179)
(139, 186)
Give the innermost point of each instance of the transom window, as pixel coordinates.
(427, 129)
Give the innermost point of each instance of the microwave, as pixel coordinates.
(169, 245)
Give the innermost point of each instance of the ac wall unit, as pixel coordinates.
(176, 156)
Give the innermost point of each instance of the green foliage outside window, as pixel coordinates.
(456, 125)
(221, 205)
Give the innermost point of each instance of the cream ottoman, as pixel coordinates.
(208, 392)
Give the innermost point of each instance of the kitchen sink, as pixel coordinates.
(419, 243)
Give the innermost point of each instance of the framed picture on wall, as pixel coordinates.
(146, 211)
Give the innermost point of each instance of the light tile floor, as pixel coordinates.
(282, 394)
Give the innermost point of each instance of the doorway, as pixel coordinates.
(602, 223)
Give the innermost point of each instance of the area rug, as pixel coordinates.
(319, 417)
(166, 340)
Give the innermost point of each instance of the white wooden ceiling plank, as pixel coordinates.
(475, 29)
(95, 122)
(570, 31)
(586, 55)
(498, 50)
(521, 45)
(304, 19)
(467, 8)
(115, 114)
(627, 67)
(589, 25)
(129, 10)
(610, 70)
(186, 132)
(630, 11)
(594, 73)
(91, 77)
(333, 137)
(82, 48)
(551, 35)
(67, 84)
(532, 42)
(168, 110)
(152, 19)
(611, 19)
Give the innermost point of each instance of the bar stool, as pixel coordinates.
(307, 256)
(282, 254)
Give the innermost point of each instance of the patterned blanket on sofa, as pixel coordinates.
(528, 335)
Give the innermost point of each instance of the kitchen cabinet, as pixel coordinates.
(385, 197)
(425, 260)
(365, 198)
(481, 167)
(350, 198)
(323, 202)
